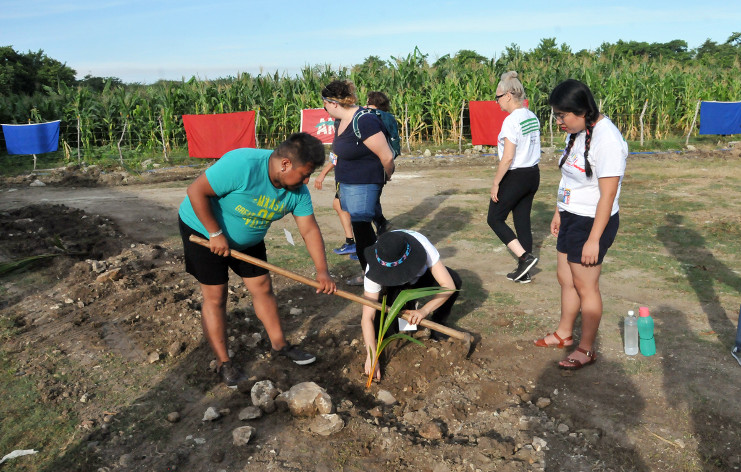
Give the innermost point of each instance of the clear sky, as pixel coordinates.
(142, 41)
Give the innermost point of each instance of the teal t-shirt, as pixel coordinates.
(246, 202)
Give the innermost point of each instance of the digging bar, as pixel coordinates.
(462, 336)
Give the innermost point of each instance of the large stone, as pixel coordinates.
(250, 413)
(324, 425)
(305, 399)
(211, 414)
(113, 274)
(431, 430)
(385, 397)
(263, 395)
(242, 435)
(175, 348)
(543, 402)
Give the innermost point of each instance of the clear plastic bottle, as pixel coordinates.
(630, 326)
(646, 332)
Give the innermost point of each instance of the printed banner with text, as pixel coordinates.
(318, 123)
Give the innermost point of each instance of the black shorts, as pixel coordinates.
(574, 232)
(210, 269)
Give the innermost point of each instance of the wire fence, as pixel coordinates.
(127, 145)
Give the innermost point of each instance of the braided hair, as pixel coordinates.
(575, 97)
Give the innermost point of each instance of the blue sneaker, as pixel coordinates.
(345, 249)
(736, 353)
(353, 257)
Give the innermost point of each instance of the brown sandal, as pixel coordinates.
(541, 342)
(573, 364)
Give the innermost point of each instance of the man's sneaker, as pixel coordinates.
(736, 353)
(295, 354)
(346, 248)
(527, 261)
(353, 257)
(231, 374)
(525, 279)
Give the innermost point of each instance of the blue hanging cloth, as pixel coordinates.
(33, 138)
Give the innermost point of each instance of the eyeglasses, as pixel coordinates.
(561, 115)
(329, 100)
(497, 97)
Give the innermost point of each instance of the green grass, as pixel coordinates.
(27, 422)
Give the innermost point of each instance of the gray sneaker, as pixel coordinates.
(231, 374)
(736, 353)
(295, 354)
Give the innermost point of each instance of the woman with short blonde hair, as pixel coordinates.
(518, 176)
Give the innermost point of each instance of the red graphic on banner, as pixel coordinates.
(318, 123)
(212, 136)
(486, 122)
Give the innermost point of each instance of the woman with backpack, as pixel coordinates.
(364, 163)
(518, 176)
(586, 219)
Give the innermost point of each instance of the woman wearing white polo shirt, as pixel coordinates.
(586, 219)
(518, 176)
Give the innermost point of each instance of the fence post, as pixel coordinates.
(123, 133)
(162, 135)
(406, 127)
(692, 126)
(257, 121)
(460, 129)
(79, 159)
(640, 120)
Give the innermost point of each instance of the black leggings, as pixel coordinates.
(364, 238)
(516, 193)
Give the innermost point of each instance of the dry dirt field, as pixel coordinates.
(106, 361)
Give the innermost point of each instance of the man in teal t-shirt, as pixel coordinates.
(233, 204)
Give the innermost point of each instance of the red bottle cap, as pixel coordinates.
(643, 311)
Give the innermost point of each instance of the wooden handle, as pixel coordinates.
(340, 293)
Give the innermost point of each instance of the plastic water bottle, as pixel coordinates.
(646, 332)
(630, 326)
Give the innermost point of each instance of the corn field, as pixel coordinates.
(426, 99)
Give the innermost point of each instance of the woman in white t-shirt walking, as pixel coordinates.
(586, 219)
(518, 176)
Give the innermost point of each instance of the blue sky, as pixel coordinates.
(142, 41)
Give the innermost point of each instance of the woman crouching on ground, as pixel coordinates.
(400, 260)
(586, 219)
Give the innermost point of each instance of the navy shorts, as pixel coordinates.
(210, 269)
(574, 232)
